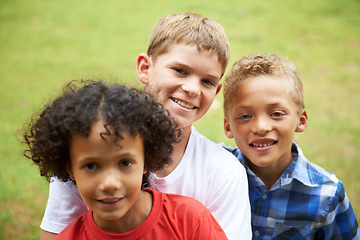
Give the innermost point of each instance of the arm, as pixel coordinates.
(63, 207)
(47, 235)
(341, 222)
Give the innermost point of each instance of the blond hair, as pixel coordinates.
(263, 65)
(189, 29)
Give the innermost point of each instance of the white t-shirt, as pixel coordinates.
(207, 172)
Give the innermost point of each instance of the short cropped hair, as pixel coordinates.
(190, 29)
(256, 65)
(83, 103)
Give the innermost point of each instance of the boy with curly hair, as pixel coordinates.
(290, 197)
(186, 58)
(107, 139)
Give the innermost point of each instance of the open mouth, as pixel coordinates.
(260, 144)
(183, 104)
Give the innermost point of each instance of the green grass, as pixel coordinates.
(44, 44)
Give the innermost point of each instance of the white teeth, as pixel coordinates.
(261, 145)
(185, 105)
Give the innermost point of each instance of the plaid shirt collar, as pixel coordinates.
(298, 169)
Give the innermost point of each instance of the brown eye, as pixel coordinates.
(91, 166)
(125, 163)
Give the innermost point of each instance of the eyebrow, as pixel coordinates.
(274, 104)
(271, 105)
(91, 159)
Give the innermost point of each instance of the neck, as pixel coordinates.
(271, 173)
(177, 154)
(269, 177)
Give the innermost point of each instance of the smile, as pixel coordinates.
(184, 104)
(263, 144)
(110, 201)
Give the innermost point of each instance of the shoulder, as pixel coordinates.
(188, 217)
(329, 189)
(183, 204)
(178, 208)
(313, 173)
(76, 230)
(210, 150)
(64, 205)
(176, 202)
(222, 169)
(338, 215)
(68, 188)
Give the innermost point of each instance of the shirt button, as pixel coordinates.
(256, 233)
(264, 196)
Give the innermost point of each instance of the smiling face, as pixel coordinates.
(184, 80)
(263, 118)
(108, 177)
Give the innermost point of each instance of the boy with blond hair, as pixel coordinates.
(290, 197)
(186, 58)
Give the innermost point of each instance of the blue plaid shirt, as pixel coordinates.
(305, 203)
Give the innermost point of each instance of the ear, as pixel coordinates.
(69, 170)
(303, 122)
(143, 64)
(227, 129)
(218, 88)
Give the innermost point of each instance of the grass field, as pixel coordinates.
(44, 44)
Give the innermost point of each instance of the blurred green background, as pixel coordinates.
(44, 44)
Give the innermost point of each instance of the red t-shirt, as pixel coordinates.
(171, 217)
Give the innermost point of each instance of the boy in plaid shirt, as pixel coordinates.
(290, 197)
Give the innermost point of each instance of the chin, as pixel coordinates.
(261, 164)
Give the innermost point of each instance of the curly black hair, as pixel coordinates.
(83, 103)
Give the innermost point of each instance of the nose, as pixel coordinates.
(261, 125)
(191, 86)
(110, 181)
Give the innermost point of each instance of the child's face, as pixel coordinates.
(263, 118)
(108, 177)
(184, 80)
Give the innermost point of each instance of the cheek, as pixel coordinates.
(288, 127)
(134, 180)
(132, 187)
(287, 131)
(240, 129)
(207, 98)
(152, 89)
(87, 189)
(239, 134)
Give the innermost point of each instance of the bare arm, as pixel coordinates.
(47, 235)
